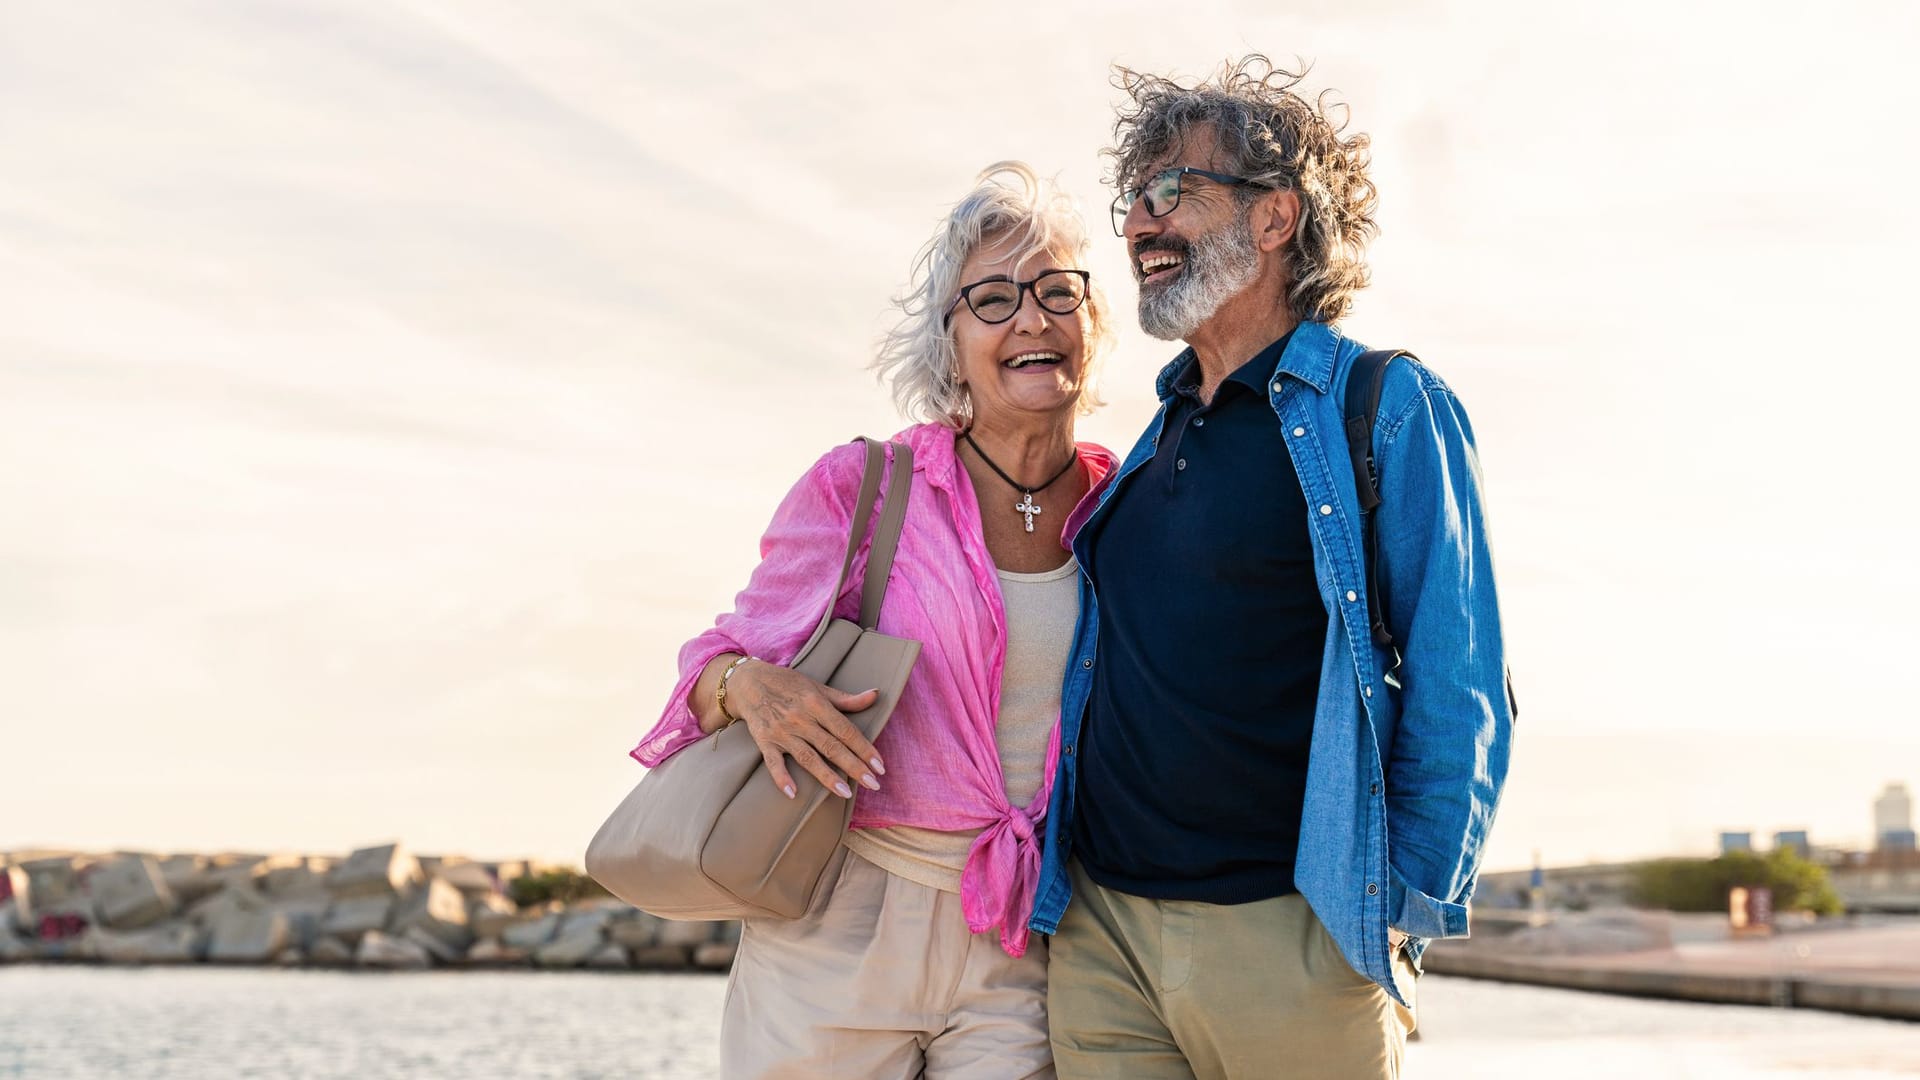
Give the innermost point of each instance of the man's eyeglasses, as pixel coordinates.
(997, 299)
(1162, 192)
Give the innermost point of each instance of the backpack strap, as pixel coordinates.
(1364, 383)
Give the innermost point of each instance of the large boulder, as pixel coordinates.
(190, 877)
(440, 951)
(288, 876)
(248, 937)
(636, 931)
(489, 916)
(330, 952)
(495, 954)
(570, 950)
(129, 893)
(471, 878)
(610, 957)
(582, 919)
(170, 943)
(229, 900)
(16, 899)
(53, 886)
(689, 934)
(438, 910)
(661, 957)
(531, 934)
(377, 950)
(305, 914)
(387, 870)
(353, 917)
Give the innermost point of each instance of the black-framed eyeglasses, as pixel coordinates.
(994, 300)
(1162, 193)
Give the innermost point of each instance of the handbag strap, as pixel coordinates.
(886, 536)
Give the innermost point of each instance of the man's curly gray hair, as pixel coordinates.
(1009, 202)
(1278, 139)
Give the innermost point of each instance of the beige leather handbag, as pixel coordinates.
(706, 835)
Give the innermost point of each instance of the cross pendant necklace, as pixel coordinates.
(1026, 506)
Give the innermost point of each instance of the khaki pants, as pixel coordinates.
(886, 981)
(1148, 989)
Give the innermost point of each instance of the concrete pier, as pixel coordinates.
(1862, 968)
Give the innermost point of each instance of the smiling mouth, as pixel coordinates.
(1032, 359)
(1159, 265)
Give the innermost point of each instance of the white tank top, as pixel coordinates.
(1041, 611)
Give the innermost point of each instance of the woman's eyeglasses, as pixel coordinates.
(997, 299)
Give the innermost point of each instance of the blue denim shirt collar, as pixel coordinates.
(1309, 357)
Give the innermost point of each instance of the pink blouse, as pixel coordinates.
(943, 768)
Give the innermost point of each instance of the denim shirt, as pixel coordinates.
(1405, 766)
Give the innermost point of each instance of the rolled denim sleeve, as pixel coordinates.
(1447, 759)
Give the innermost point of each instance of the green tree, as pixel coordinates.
(564, 885)
(1703, 884)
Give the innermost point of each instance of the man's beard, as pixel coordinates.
(1215, 269)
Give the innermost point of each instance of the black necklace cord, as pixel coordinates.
(1015, 484)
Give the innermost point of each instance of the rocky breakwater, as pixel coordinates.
(377, 908)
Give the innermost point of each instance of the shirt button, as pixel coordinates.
(1368, 691)
(1068, 750)
(1374, 790)
(1087, 663)
(1276, 386)
(1199, 421)
(1352, 596)
(1181, 464)
(1325, 509)
(1372, 889)
(1299, 431)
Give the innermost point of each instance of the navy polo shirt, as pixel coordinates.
(1194, 749)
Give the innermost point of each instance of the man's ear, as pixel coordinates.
(1275, 218)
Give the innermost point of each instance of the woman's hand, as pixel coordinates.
(790, 715)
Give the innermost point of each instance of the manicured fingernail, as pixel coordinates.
(870, 782)
(841, 787)
(877, 767)
(789, 790)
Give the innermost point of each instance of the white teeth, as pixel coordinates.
(1152, 263)
(1034, 358)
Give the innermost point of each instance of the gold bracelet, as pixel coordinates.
(720, 695)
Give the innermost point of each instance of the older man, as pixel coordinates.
(1265, 807)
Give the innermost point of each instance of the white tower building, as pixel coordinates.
(1892, 813)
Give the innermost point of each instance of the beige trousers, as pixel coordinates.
(885, 981)
(1149, 989)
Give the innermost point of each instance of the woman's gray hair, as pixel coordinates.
(1009, 202)
(1278, 139)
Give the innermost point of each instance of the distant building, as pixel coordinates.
(1893, 818)
(1735, 841)
(1794, 840)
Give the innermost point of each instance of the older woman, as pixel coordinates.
(920, 962)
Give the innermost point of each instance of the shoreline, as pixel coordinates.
(379, 908)
(1870, 969)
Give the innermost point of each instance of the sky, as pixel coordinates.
(388, 389)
